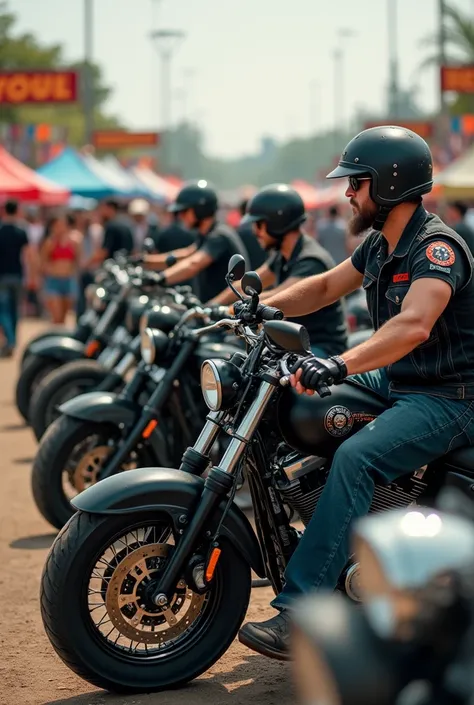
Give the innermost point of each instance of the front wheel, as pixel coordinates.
(67, 382)
(33, 371)
(98, 613)
(70, 457)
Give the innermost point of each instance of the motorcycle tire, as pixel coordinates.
(55, 449)
(58, 330)
(33, 371)
(76, 639)
(80, 376)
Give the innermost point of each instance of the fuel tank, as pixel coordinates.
(317, 426)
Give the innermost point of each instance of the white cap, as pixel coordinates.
(139, 207)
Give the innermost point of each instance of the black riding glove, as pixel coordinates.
(317, 371)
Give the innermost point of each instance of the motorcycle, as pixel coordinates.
(104, 343)
(148, 583)
(412, 641)
(156, 416)
(77, 377)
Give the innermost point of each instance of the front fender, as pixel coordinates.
(58, 347)
(105, 407)
(171, 491)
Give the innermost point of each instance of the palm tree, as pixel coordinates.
(459, 49)
(459, 36)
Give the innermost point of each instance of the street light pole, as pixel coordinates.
(339, 85)
(394, 90)
(166, 41)
(88, 77)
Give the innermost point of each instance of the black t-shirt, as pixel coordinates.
(257, 254)
(327, 327)
(220, 243)
(466, 233)
(12, 240)
(117, 236)
(174, 237)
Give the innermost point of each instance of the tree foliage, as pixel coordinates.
(24, 51)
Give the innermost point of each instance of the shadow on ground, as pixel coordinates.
(255, 679)
(33, 542)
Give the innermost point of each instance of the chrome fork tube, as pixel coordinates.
(247, 427)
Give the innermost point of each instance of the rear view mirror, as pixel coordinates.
(251, 284)
(236, 268)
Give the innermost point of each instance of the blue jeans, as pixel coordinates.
(414, 431)
(10, 291)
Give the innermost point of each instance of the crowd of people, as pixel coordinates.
(47, 260)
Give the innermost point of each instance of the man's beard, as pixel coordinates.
(362, 220)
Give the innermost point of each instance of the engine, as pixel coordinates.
(301, 479)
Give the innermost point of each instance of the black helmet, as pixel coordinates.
(398, 161)
(279, 206)
(198, 195)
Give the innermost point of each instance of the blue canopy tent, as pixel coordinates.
(71, 170)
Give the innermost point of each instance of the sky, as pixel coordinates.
(246, 68)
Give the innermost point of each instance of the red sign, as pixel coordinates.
(20, 87)
(117, 139)
(457, 78)
(421, 127)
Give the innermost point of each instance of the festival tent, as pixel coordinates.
(20, 182)
(123, 183)
(324, 197)
(133, 183)
(167, 190)
(72, 171)
(457, 180)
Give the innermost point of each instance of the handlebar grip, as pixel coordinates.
(270, 313)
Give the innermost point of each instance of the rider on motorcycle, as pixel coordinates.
(417, 273)
(207, 260)
(277, 213)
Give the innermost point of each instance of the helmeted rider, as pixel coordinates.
(417, 273)
(208, 258)
(277, 213)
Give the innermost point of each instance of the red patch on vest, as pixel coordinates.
(401, 277)
(441, 253)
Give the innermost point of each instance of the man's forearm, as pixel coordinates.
(305, 297)
(398, 337)
(180, 272)
(225, 298)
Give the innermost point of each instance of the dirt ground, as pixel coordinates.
(30, 671)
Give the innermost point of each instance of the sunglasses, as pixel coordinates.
(355, 181)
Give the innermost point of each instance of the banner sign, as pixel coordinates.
(20, 87)
(117, 139)
(457, 78)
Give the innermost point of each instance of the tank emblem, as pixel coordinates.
(338, 421)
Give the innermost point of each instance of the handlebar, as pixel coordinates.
(270, 313)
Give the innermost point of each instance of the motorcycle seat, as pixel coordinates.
(461, 459)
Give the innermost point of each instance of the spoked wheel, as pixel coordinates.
(98, 611)
(69, 460)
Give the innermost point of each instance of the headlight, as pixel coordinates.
(211, 385)
(99, 298)
(143, 322)
(153, 344)
(220, 383)
(148, 348)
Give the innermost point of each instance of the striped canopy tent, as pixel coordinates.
(22, 183)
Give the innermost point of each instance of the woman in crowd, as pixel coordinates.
(60, 254)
